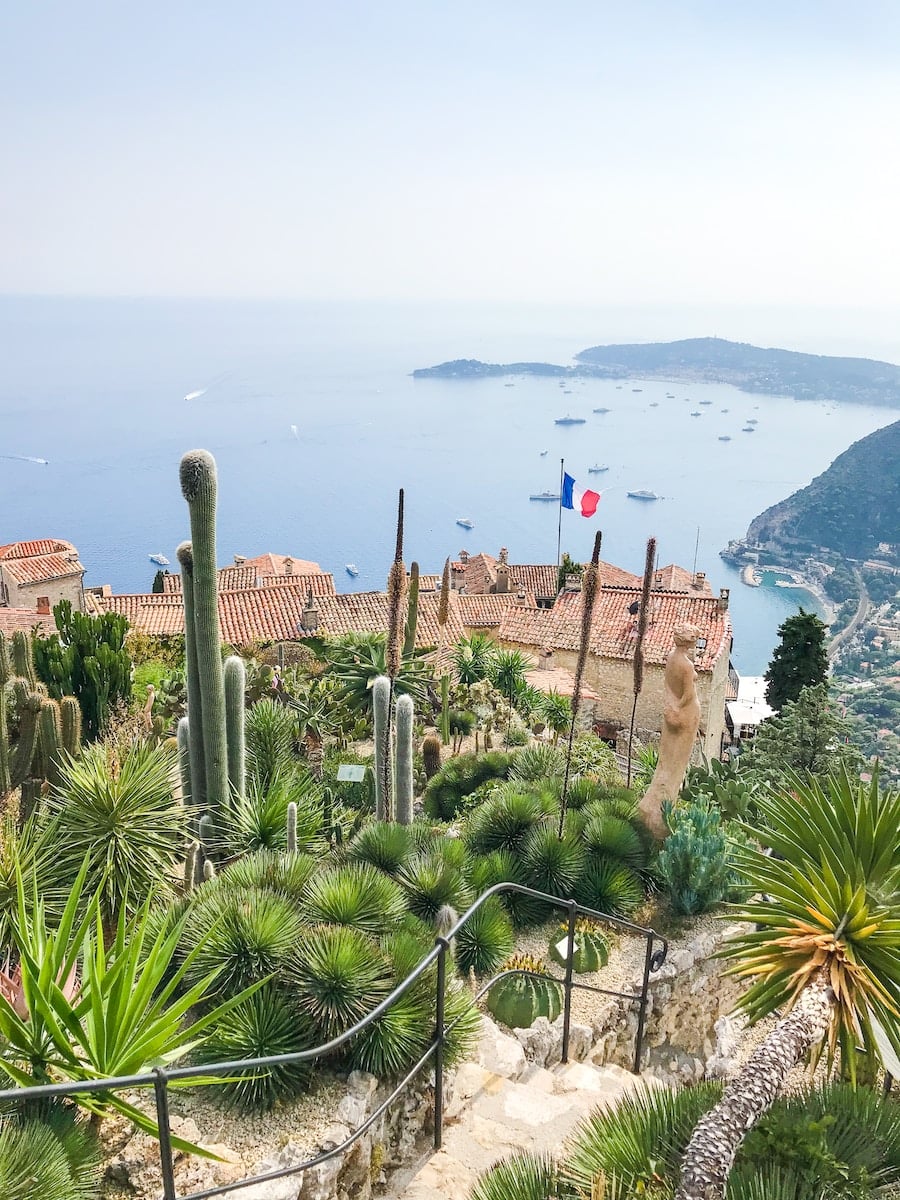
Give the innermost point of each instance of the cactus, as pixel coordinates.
(445, 709)
(209, 870)
(381, 699)
(50, 741)
(431, 755)
(29, 795)
(403, 761)
(235, 682)
(591, 949)
(195, 698)
(518, 1000)
(412, 610)
(292, 827)
(190, 860)
(198, 486)
(23, 657)
(206, 836)
(70, 717)
(183, 738)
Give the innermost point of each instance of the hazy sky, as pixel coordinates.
(582, 152)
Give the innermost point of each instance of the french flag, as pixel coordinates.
(582, 500)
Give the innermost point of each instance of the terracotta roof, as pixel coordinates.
(14, 619)
(430, 583)
(366, 612)
(479, 575)
(678, 579)
(276, 564)
(233, 579)
(614, 629)
(159, 614)
(35, 549)
(42, 568)
(486, 612)
(557, 679)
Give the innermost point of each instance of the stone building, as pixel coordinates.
(37, 575)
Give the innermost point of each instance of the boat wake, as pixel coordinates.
(41, 462)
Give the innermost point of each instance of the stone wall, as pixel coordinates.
(25, 595)
(688, 1032)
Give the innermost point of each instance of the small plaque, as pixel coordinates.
(562, 948)
(351, 773)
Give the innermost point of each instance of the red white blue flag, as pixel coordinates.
(582, 500)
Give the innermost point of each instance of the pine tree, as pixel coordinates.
(799, 660)
(809, 734)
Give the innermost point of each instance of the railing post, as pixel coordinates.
(642, 1011)
(442, 945)
(165, 1133)
(567, 1002)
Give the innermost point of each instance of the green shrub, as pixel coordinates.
(521, 1176)
(503, 822)
(338, 975)
(458, 778)
(55, 1157)
(271, 733)
(615, 838)
(502, 866)
(266, 1024)
(398, 1037)
(591, 756)
(538, 761)
(486, 939)
(258, 819)
(274, 871)
(722, 785)
(609, 887)
(693, 863)
(384, 845)
(431, 881)
(553, 864)
(359, 796)
(356, 894)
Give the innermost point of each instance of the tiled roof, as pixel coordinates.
(233, 579)
(486, 612)
(479, 574)
(41, 568)
(35, 549)
(678, 579)
(276, 564)
(430, 583)
(556, 679)
(274, 613)
(14, 619)
(614, 628)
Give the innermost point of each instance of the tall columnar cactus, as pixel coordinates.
(5, 676)
(412, 610)
(235, 686)
(51, 741)
(199, 487)
(70, 716)
(443, 617)
(206, 836)
(291, 829)
(195, 697)
(183, 740)
(23, 657)
(403, 769)
(381, 709)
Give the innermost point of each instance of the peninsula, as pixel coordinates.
(709, 360)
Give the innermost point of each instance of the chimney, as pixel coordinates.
(573, 583)
(43, 606)
(722, 604)
(504, 556)
(309, 621)
(288, 566)
(520, 596)
(700, 580)
(463, 557)
(502, 584)
(239, 560)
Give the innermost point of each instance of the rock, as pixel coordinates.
(729, 1032)
(498, 1052)
(362, 1084)
(542, 1042)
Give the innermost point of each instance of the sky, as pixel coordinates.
(580, 152)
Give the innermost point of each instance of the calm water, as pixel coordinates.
(97, 388)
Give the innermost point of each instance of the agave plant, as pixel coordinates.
(504, 822)
(119, 814)
(520, 1177)
(473, 658)
(384, 845)
(56, 1156)
(609, 887)
(503, 866)
(279, 872)
(614, 837)
(356, 894)
(507, 671)
(270, 730)
(338, 975)
(357, 660)
(824, 948)
(537, 762)
(556, 711)
(258, 819)
(486, 940)
(432, 881)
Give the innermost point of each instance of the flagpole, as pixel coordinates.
(562, 463)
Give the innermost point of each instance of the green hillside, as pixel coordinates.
(848, 509)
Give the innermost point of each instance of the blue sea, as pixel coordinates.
(98, 388)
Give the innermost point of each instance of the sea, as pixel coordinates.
(315, 422)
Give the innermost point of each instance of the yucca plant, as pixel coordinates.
(614, 837)
(503, 866)
(556, 711)
(258, 819)
(507, 671)
(118, 813)
(536, 762)
(432, 881)
(270, 730)
(356, 894)
(56, 1157)
(503, 822)
(266, 1024)
(486, 940)
(393, 1042)
(338, 975)
(824, 948)
(553, 864)
(244, 935)
(272, 871)
(520, 1177)
(384, 845)
(609, 887)
(473, 658)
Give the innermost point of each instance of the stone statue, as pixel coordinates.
(681, 720)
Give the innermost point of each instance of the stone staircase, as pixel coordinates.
(501, 1104)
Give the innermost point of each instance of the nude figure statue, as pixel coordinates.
(681, 720)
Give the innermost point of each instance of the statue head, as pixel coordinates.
(685, 635)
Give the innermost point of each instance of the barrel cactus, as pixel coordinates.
(518, 1000)
(591, 946)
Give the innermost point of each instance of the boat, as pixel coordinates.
(643, 494)
(465, 522)
(670, 395)
(567, 420)
(752, 421)
(601, 411)
(544, 453)
(749, 429)
(567, 391)
(704, 401)
(655, 404)
(352, 569)
(723, 410)
(159, 559)
(724, 437)
(696, 413)
(637, 389)
(596, 469)
(509, 385)
(545, 496)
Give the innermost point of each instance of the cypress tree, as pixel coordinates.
(799, 661)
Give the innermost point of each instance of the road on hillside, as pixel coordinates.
(859, 616)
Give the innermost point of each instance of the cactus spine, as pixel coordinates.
(381, 701)
(235, 686)
(412, 610)
(292, 827)
(199, 486)
(206, 833)
(183, 741)
(403, 769)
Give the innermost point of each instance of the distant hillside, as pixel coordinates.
(711, 360)
(847, 509)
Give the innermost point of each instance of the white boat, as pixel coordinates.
(597, 469)
(545, 496)
(643, 494)
(159, 559)
(569, 421)
(465, 522)
(724, 438)
(352, 569)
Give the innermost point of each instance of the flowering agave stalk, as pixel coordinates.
(588, 597)
(649, 563)
(443, 616)
(396, 594)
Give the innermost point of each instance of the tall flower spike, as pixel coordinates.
(638, 664)
(589, 584)
(396, 589)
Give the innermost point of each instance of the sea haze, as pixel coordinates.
(98, 387)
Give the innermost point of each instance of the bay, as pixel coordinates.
(98, 388)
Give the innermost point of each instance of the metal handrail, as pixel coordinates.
(161, 1078)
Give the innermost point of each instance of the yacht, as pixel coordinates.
(601, 411)
(465, 522)
(643, 494)
(749, 429)
(597, 469)
(704, 401)
(724, 437)
(159, 559)
(567, 420)
(352, 569)
(696, 413)
(545, 496)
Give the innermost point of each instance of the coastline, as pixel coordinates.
(751, 576)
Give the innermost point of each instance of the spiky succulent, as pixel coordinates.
(358, 895)
(338, 975)
(485, 940)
